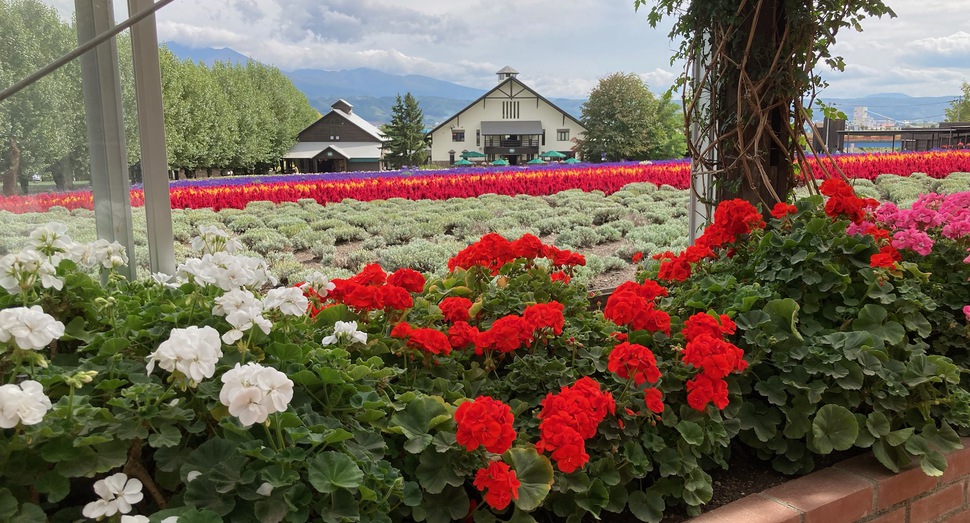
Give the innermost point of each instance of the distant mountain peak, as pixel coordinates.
(889, 95)
(206, 55)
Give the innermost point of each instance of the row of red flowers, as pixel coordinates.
(608, 178)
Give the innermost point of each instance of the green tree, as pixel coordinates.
(406, 145)
(959, 110)
(39, 125)
(751, 76)
(251, 113)
(624, 120)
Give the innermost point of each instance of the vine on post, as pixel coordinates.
(749, 84)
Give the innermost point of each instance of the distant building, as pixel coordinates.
(510, 122)
(339, 141)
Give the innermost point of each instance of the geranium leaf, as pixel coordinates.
(330, 471)
(692, 433)
(647, 506)
(933, 463)
(899, 437)
(878, 424)
(436, 471)
(417, 419)
(834, 427)
(872, 319)
(784, 317)
(535, 475)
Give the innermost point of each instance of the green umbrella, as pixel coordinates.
(536, 161)
(463, 162)
(552, 154)
(500, 161)
(472, 154)
(571, 160)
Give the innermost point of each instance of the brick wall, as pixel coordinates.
(859, 490)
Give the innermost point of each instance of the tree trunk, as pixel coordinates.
(761, 173)
(10, 175)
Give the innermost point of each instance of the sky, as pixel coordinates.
(561, 48)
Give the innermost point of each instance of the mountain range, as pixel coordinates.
(373, 92)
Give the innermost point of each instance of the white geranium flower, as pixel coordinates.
(226, 271)
(289, 300)
(253, 392)
(134, 519)
(114, 256)
(30, 329)
(51, 239)
(193, 351)
(25, 403)
(116, 494)
(345, 330)
(171, 519)
(243, 311)
(192, 475)
(212, 239)
(24, 269)
(265, 489)
(319, 283)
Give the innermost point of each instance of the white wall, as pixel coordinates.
(489, 108)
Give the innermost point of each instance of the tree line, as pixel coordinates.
(242, 117)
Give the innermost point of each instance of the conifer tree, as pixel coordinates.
(406, 145)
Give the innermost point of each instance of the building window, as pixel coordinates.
(478, 137)
(458, 135)
(543, 137)
(562, 135)
(510, 110)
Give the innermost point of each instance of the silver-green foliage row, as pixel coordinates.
(423, 234)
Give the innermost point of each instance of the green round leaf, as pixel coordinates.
(331, 470)
(834, 428)
(534, 472)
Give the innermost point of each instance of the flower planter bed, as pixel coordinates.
(224, 193)
(861, 490)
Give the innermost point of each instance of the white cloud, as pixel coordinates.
(560, 48)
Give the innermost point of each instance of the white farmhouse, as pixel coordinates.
(510, 122)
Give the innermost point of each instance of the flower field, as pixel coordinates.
(236, 193)
(297, 238)
(491, 391)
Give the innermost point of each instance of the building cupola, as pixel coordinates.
(506, 73)
(343, 105)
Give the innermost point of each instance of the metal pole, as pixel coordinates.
(80, 50)
(151, 131)
(101, 84)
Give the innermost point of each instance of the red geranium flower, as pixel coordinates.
(654, 400)
(484, 422)
(455, 308)
(410, 279)
(498, 483)
(545, 315)
(782, 209)
(461, 335)
(630, 360)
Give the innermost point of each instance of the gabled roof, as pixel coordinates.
(496, 88)
(360, 122)
(357, 121)
(348, 150)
